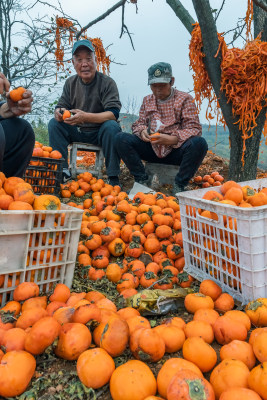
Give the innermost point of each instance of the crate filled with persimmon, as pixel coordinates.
(44, 172)
(38, 238)
(225, 236)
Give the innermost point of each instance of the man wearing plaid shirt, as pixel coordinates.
(173, 114)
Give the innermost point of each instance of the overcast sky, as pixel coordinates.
(158, 35)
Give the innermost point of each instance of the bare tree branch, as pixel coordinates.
(124, 27)
(220, 10)
(101, 17)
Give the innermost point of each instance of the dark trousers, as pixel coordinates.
(16, 145)
(61, 135)
(189, 156)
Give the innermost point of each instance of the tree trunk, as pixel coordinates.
(238, 170)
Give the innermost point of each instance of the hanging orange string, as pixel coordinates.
(249, 19)
(64, 26)
(243, 79)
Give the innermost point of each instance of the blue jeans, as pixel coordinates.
(189, 156)
(61, 135)
(16, 146)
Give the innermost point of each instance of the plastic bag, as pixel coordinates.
(158, 302)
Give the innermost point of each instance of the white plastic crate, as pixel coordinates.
(39, 246)
(230, 249)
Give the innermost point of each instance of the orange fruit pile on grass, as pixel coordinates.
(88, 329)
(214, 179)
(131, 242)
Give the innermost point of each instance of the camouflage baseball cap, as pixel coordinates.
(84, 43)
(160, 72)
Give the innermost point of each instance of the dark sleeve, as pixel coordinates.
(1, 103)
(115, 111)
(64, 100)
(110, 95)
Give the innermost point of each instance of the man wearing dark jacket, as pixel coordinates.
(16, 134)
(93, 99)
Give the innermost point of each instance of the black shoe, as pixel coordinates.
(177, 189)
(143, 180)
(66, 175)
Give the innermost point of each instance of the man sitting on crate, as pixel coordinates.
(93, 99)
(16, 134)
(173, 115)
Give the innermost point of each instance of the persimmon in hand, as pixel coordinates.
(66, 114)
(16, 94)
(154, 136)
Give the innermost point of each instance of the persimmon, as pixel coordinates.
(227, 329)
(55, 154)
(17, 94)
(133, 380)
(224, 302)
(30, 316)
(257, 380)
(239, 393)
(210, 288)
(172, 335)
(16, 371)
(198, 179)
(228, 185)
(95, 367)
(199, 329)
(239, 350)
(195, 301)
(168, 371)
(25, 290)
(207, 315)
(61, 293)
(185, 384)
(229, 373)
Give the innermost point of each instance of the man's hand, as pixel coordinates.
(4, 84)
(162, 138)
(145, 136)
(79, 117)
(58, 114)
(21, 107)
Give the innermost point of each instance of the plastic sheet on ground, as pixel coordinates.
(158, 302)
(137, 187)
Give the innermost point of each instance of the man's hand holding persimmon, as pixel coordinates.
(162, 138)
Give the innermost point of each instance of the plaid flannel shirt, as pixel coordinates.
(178, 117)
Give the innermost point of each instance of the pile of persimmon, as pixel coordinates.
(91, 331)
(214, 179)
(230, 193)
(41, 150)
(131, 242)
(16, 194)
(45, 176)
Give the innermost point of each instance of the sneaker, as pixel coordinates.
(177, 189)
(66, 175)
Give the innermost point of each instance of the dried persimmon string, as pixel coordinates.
(64, 26)
(243, 79)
